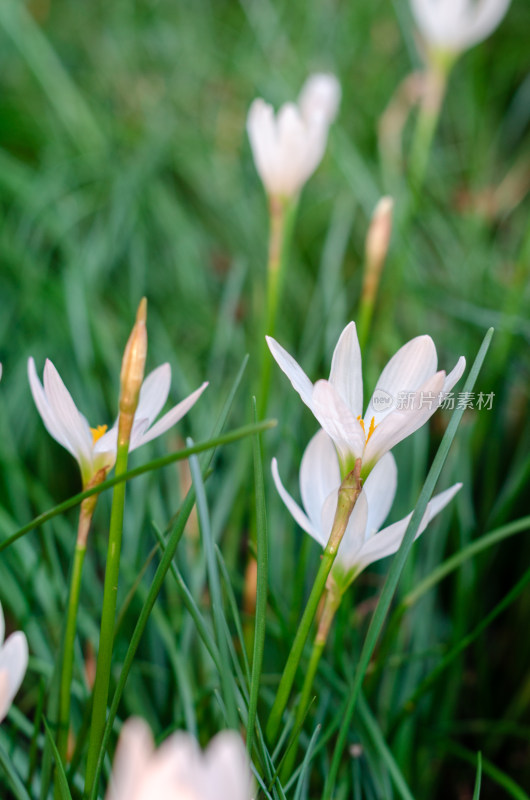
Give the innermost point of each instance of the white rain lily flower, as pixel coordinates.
(408, 392)
(363, 541)
(288, 148)
(95, 448)
(178, 770)
(456, 25)
(13, 664)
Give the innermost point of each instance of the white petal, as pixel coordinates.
(295, 162)
(346, 370)
(226, 767)
(294, 372)
(133, 753)
(455, 374)
(154, 393)
(2, 625)
(294, 509)
(108, 443)
(338, 421)
(387, 541)
(406, 371)
(319, 475)
(380, 490)
(400, 423)
(52, 424)
(320, 96)
(168, 420)
(13, 662)
(485, 17)
(75, 428)
(261, 128)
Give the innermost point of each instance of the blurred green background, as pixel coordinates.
(125, 170)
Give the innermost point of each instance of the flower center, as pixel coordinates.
(98, 432)
(371, 427)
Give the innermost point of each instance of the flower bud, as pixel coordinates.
(378, 237)
(132, 372)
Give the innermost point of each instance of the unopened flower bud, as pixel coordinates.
(132, 372)
(379, 232)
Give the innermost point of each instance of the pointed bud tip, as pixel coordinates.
(141, 314)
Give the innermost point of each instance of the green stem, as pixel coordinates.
(68, 651)
(348, 494)
(427, 120)
(331, 604)
(282, 213)
(108, 614)
(85, 520)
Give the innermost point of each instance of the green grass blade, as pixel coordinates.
(375, 734)
(19, 790)
(465, 642)
(497, 776)
(455, 561)
(262, 583)
(62, 783)
(478, 779)
(303, 777)
(215, 591)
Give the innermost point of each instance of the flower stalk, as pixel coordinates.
(348, 493)
(133, 366)
(85, 520)
(282, 213)
(435, 85)
(376, 249)
(332, 601)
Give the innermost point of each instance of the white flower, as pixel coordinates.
(408, 392)
(288, 148)
(363, 541)
(95, 448)
(178, 770)
(13, 664)
(456, 25)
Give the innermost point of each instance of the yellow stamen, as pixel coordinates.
(98, 432)
(371, 429)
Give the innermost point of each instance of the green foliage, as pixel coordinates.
(125, 171)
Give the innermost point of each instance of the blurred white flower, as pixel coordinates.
(178, 770)
(95, 448)
(363, 541)
(13, 664)
(456, 25)
(288, 148)
(407, 394)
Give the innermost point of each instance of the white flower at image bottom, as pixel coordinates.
(95, 448)
(364, 541)
(178, 769)
(337, 403)
(13, 665)
(288, 147)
